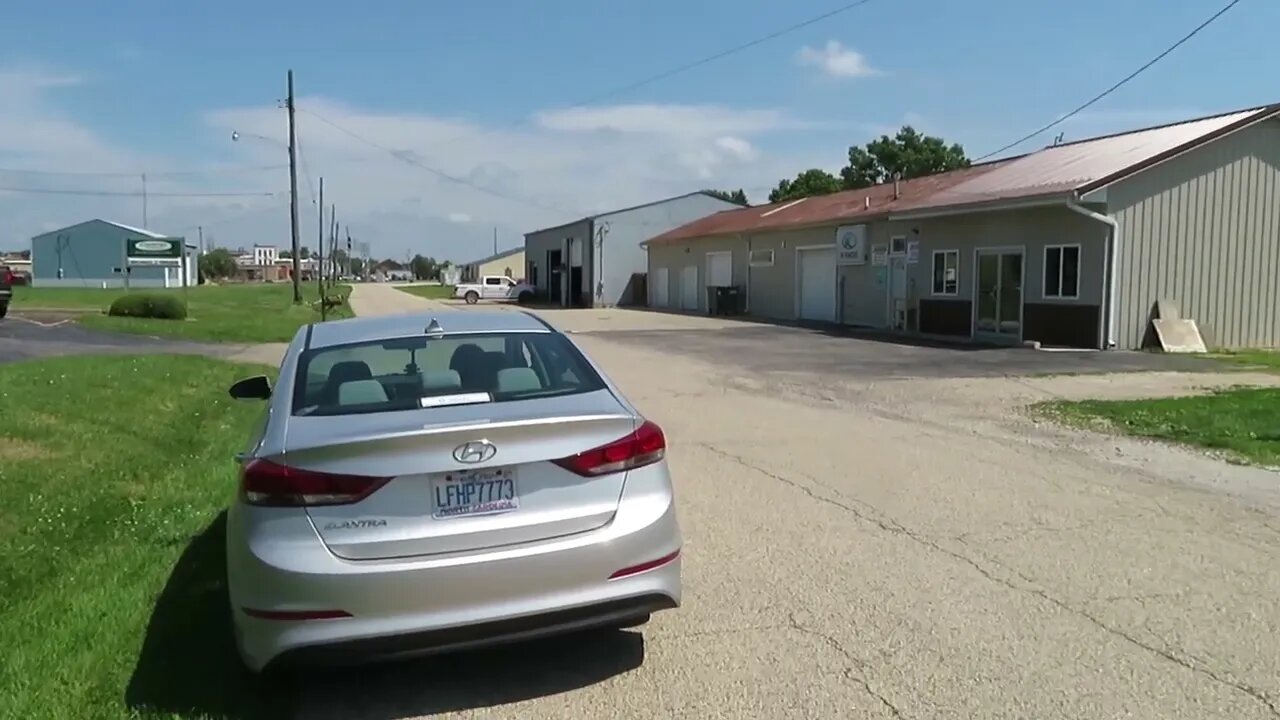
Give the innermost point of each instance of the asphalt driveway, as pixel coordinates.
(769, 348)
(24, 338)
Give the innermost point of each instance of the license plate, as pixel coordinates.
(477, 492)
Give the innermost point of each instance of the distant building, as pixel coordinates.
(92, 254)
(597, 260)
(508, 262)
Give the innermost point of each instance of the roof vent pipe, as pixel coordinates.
(897, 185)
(866, 202)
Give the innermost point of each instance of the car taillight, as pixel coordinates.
(263, 482)
(645, 446)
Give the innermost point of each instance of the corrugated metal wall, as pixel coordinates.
(1203, 230)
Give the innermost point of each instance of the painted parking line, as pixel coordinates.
(41, 324)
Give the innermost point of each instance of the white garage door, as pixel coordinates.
(689, 288)
(719, 269)
(661, 287)
(816, 272)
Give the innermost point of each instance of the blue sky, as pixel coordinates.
(479, 90)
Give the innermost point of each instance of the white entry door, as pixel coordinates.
(898, 293)
(689, 288)
(816, 280)
(719, 269)
(661, 288)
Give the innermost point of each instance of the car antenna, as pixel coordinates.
(433, 328)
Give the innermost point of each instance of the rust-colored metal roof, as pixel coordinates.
(1059, 170)
(851, 205)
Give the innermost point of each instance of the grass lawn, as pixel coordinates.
(223, 313)
(113, 479)
(1265, 360)
(1244, 423)
(434, 292)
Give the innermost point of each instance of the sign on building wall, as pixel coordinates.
(851, 245)
(913, 252)
(880, 255)
(154, 252)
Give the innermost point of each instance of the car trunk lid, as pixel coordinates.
(462, 478)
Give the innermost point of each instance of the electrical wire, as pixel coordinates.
(717, 56)
(110, 193)
(402, 156)
(1117, 86)
(172, 173)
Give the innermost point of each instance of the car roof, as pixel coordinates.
(453, 322)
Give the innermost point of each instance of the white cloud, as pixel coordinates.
(836, 60)
(439, 186)
(699, 120)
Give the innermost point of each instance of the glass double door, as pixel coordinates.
(999, 294)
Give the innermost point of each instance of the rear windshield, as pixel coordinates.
(417, 372)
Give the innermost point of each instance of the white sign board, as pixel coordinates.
(851, 245)
(913, 252)
(880, 255)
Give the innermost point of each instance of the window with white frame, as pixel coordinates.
(761, 258)
(898, 245)
(946, 272)
(1062, 271)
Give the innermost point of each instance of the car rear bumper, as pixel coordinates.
(414, 606)
(496, 632)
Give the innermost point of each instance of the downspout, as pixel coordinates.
(1109, 266)
(746, 301)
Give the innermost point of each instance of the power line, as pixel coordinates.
(1118, 85)
(718, 56)
(403, 156)
(110, 193)
(172, 173)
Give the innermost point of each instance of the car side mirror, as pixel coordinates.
(257, 387)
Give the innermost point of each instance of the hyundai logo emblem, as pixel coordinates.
(475, 451)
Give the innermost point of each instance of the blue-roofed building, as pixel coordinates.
(93, 254)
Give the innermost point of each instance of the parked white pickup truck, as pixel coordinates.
(494, 287)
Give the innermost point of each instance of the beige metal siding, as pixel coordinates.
(676, 257)
(514, 263)
(1203, 230)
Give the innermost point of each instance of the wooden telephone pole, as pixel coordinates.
(293, 196)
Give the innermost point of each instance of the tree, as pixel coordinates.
(424, 268)
(735, 196)
(217, 263)
(304, 253)
(807, 184)
(909, 153)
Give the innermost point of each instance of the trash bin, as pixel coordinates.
(729, 301)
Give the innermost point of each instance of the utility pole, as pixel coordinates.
(333, 235)
(320, 258)
(495, 239)
(293, 195)
(200, 230)
(144, 200)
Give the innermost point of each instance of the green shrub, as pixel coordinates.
(149, 305)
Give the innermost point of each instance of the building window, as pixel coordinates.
(898, 245)
(946, 272)
(1062, 272)
(761, 258)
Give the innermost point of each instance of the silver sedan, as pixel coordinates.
(421, 484)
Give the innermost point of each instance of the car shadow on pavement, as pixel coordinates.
(188, 666)
(469, 681)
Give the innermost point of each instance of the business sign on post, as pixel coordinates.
(154, 252)
(851, 245)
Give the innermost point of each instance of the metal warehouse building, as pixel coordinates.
(597, 261)
(1071, 245)
(96, 254)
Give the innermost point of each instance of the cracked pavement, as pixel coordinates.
(916, 548)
